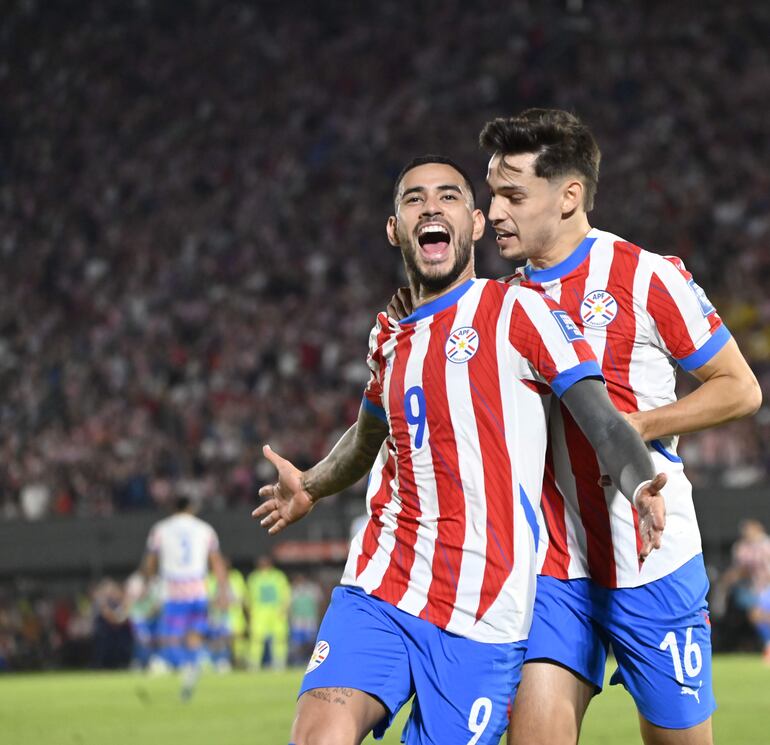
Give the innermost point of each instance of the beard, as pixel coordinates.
(436, 282)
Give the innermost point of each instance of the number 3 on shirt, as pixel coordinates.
(414, 409)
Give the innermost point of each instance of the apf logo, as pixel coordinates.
(320, 653)
(598, 309)
(462, 344)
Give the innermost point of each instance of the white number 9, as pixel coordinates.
(481, 712)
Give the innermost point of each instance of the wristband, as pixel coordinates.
(639, 489)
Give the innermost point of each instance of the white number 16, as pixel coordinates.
(693, 658)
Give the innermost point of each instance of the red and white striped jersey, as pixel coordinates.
(464, 385)
(641, 313)
(183, 544)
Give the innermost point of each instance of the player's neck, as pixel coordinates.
(423, 295)
(563, 244)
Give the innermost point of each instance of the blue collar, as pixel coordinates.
(572, 262)
(440, 303)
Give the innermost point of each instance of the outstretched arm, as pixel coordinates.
(622, 452)
(295, 492)
(729, 390)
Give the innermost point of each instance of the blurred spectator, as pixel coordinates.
(142, 603)
(269, 596)
(745, 584)
(304, 617)
(112, 643)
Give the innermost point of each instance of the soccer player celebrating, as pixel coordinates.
(180, 549)
(642, 314)
(436, 597)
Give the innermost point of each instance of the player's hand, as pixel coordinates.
(400, 305)
(285, 501)
(651, 509)
(637, 420)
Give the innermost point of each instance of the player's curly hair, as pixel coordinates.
(564, 145)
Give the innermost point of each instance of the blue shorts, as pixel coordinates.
(462, 688)
(144, 630)
(179, 618)
(660, 634)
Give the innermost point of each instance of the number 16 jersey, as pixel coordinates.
(464, 385)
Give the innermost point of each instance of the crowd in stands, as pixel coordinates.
(193, 199)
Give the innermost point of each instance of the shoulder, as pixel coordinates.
(617, 246)
(626, 256)
(383, 327)
(530, 296)
(159, 526)
(611, 244)
(202, 525)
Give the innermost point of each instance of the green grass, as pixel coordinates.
(257, 708)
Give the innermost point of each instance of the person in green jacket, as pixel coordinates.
(269, 594)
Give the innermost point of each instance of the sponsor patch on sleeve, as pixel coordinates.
(705, 304)
(568, 327)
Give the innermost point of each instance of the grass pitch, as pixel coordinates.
(257, 708)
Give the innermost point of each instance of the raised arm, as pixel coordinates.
(623, 454)
(729, 390)
(295, 493)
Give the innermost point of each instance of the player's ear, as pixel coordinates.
(572, 196)
(390, 229)
(479, 223)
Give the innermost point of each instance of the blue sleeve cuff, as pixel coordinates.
(701, 356)
(377, 411)
(568, 378)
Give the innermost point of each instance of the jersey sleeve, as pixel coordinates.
(375, 361)
(687, 324)
(545, 335)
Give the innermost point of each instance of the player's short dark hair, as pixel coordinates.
(563, 143)
(423, 160)
(182, 503)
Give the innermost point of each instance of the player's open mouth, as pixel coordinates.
(502, 235)
(434, 240)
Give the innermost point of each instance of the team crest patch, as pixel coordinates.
(567, 325)
(705, 304)
(598, 309)
(462, 344)
(320, 653)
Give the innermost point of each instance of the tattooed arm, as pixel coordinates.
(295, 492)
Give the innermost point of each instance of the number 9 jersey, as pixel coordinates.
(464, 384)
